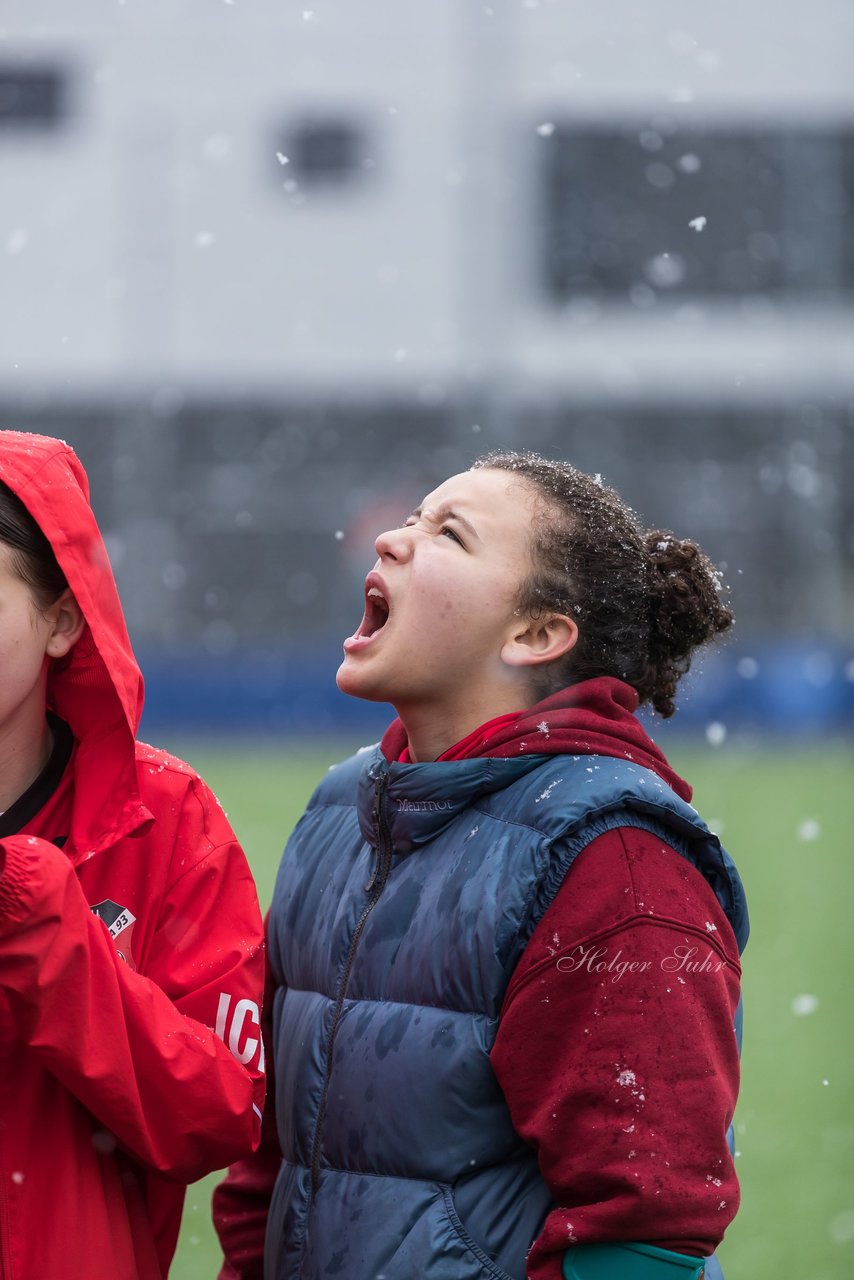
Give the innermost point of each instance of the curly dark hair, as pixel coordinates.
(644, 601)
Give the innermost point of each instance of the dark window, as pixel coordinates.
(680, 211)
(326, 152)
(32, 96)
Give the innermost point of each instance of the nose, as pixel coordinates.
(395, 544)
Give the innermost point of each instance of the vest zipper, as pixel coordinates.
(374, 887)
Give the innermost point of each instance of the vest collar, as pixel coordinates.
(420, 800)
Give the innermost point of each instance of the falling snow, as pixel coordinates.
(842, 1227)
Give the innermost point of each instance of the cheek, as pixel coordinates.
(448, 610)
(21, 651)
(22, 660)
(472, 620)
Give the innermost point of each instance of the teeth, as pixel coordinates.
(377, 611)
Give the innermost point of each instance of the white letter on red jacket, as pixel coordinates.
(242, 1010)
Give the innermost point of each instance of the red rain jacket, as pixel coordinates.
(130, 1056)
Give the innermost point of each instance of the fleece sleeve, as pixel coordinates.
(241, 1202)
(169, 1060)
(617, 1055)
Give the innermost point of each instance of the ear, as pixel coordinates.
(540, 640)
(66, 622)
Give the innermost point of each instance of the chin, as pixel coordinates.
(344, 677)
(358, 684)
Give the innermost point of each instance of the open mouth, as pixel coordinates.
(376, 612)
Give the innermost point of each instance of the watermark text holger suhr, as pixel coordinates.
(681, 960)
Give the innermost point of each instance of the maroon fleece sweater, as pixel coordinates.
(615, 1048)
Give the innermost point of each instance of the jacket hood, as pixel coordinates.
(97, 688)
(594, 717)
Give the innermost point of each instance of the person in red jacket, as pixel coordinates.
(523, 610)
(131, 946)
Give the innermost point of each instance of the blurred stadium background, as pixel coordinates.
(275, 270)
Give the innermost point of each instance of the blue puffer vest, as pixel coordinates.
(404, 901)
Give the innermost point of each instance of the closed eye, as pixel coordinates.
(445, 530)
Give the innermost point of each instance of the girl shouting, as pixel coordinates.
(504, 947)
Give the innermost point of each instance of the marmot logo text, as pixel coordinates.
(425, 806)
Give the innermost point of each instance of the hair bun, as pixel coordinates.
(687, 610)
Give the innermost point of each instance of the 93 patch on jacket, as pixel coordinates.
(120, 921)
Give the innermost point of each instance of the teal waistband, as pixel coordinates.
(629, 1262)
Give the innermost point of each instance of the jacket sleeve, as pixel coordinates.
(617, 1056)
(141, 1052)
(241, 1202)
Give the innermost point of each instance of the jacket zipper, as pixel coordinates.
(374, 887)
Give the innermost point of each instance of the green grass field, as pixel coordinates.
(787, 818)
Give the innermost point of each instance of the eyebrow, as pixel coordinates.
(445, 513)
